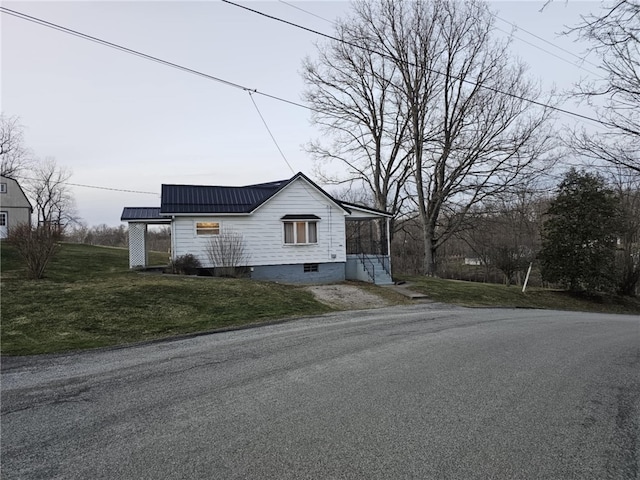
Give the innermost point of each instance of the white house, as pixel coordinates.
(292, 230)
(15, 208)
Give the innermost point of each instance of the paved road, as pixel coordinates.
(424, 392)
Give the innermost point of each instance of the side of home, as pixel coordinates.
(15, 208)
(291, 231)
(297, 235)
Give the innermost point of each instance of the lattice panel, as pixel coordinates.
(137, 245)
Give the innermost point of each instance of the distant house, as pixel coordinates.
(293, 231)
(15, 208)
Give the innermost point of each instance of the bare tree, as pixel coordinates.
(504, 233)
(615, 40)
(54, 204)
(355, 102)
(628, 252)
(469, 122)
(227, 252)
(15, 156)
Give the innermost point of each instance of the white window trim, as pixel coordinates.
(195, 229)
(6, 218)
(295, 232)
(3, 187)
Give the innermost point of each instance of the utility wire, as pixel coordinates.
(247, 89)
(549, 43)
(145, 56)
(96, 187)
(503, 31)
(271, 134)
(437, 72)
(111, 189)
(550, 53)
(306, 11)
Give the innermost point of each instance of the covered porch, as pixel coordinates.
(139, 219)
(368, 245)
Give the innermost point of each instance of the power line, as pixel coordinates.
(112, 189)
(145, 56)
(500, 30)
(550, 43)
(98, 187)
(548, 52)
(305, 11)
(437, 72)
(271, 134)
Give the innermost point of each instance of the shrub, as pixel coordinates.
(228, 253)
(36, 246)
(186, 264)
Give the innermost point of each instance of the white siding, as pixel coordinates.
(264, 233)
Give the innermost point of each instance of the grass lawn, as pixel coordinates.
(89, 299)
(473, 294)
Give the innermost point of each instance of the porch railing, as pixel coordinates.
(385, 262)
(370, 268)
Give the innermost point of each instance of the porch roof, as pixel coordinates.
(143, 215)
(360, 212)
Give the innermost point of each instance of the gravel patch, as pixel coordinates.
(347, 297)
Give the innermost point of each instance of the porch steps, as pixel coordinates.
(381, 275)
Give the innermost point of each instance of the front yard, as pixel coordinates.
(90, 299)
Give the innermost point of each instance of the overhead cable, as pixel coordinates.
(145, 56)
(437, 72)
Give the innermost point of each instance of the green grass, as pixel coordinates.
(90, 299)
(473, 294)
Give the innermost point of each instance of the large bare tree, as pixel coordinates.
(355, 102)
(468, 121)
(15, 156)
(614, 36)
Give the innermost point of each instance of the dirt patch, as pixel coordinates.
(348, 297)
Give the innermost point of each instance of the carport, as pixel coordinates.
(139, 218)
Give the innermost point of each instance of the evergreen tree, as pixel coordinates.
(579, 237)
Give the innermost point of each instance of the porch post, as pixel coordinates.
(137, 245)
(388, 242)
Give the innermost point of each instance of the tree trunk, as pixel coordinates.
(429, 265)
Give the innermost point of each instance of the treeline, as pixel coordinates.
(583, 235)
(158, 239)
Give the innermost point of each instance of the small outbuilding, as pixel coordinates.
(290, 230)
(15, 208)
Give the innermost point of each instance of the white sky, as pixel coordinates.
(122, 122)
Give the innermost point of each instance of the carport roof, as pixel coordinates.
(148, 214)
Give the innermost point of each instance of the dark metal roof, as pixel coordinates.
(205, 199)
(201, 199)
(302, 216)
(214, 199)
(141, 213)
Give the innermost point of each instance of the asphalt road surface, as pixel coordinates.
(423, 392)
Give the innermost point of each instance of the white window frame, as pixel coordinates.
(206, 231)
(295, 232)
(5, 219)
(3, 187)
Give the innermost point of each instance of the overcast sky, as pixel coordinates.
(122, 122)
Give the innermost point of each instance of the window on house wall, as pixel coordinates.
(207, 228)
(310, 267)
(3, 187)
(3, 219)
(300, 232)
